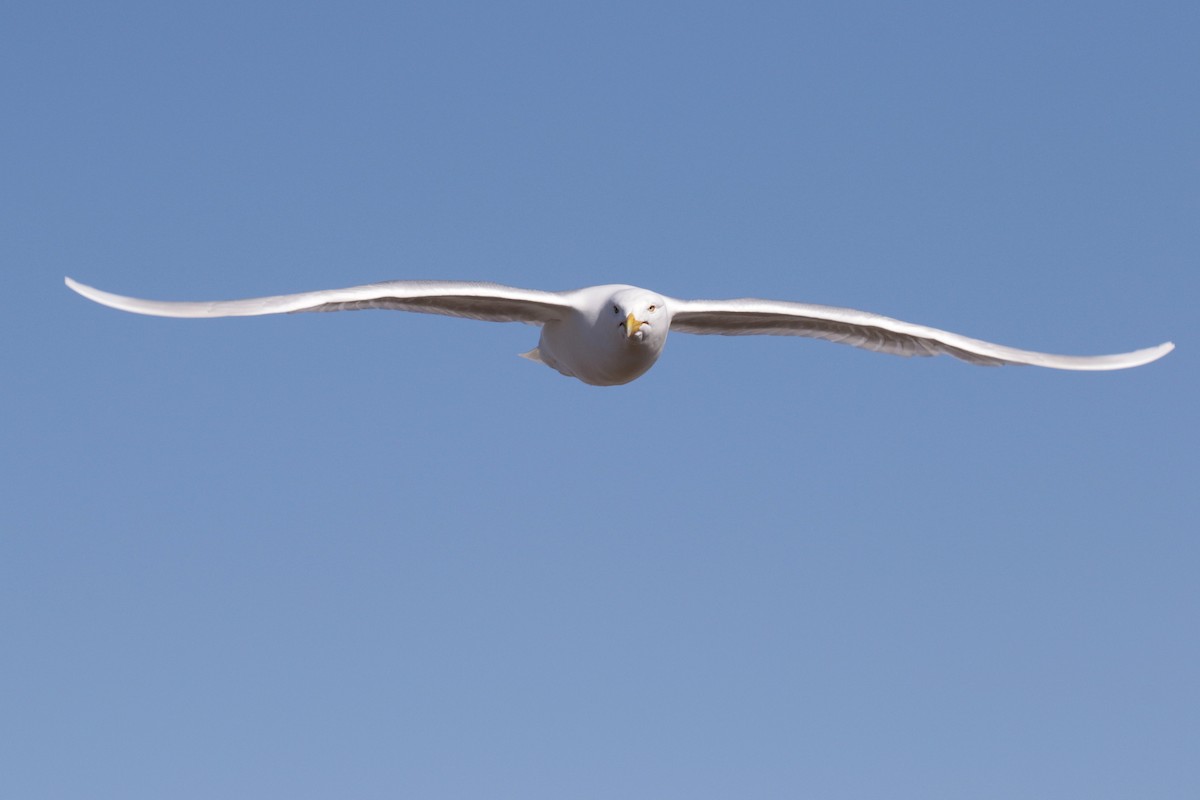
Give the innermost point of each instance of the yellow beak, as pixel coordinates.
(631, 326)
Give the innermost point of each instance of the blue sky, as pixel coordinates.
(377, 555)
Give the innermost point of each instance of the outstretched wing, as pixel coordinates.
(486, 301)
(875, 332)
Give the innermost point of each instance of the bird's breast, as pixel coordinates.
(597, 356)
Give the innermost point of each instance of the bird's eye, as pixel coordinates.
(616, 310)
(651, 309)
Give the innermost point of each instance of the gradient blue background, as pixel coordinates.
(376, 555)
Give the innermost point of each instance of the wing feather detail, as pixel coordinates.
(876, 332)
(483, 301)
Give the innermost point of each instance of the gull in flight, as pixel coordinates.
(610, 335)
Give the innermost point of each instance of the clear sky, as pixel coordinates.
(376, 555)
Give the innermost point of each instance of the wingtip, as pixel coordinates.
(83, 289)
(1150, 354)
(76, 286)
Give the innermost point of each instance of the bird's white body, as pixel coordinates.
(610, 335)
(583, 345)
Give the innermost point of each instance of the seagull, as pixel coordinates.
(610, 335)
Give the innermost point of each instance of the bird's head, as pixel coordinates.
(640, 317)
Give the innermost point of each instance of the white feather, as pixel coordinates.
(876, 332)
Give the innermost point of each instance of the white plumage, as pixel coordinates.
(609, 335)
